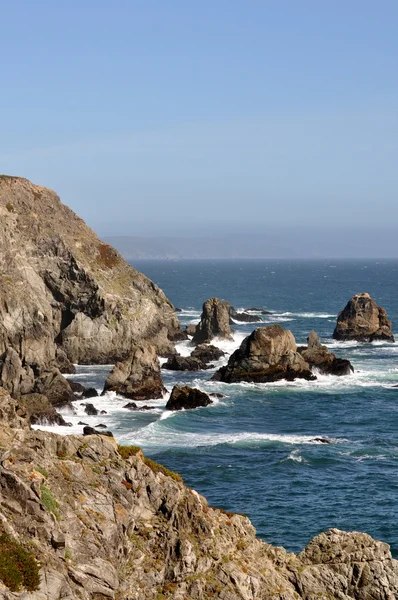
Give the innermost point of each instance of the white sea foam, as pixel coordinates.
(156, 435)
(295, 456)
(305, 315)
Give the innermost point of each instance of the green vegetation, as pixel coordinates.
(157, 468)
(127, 451)
(18, 568)
(42, 471)
(48, 501)
(9, 207)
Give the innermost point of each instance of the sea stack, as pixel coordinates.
(214, 322)
(363, 320)
(267, 354)
(325, 362)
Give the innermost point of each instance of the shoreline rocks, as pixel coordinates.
(185, 397)
(363, 320)
(267, 354)
(325, 362)
(138, 377)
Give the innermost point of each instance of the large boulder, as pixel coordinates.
(39, 410)
(214, 322)
(138, 377)
(55, 387)
(185, 397)
(363, 320)
(207, 353)
(267, 354)
(325, 362)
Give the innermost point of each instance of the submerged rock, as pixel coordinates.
(242, 316)
(185, 397)
(138, 377)
(87, 430)
(214, 322)
(363, 320)
(133, 406)
(267, 354)
(90, 409)
(325, 362)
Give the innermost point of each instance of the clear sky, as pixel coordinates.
(219, 115)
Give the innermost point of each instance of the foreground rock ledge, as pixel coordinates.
(104, 522)
(364, 321)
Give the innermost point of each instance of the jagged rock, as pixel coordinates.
(63, 363)
(207, 353)
(87, 430)
(184, 363)
(76, 387)
(325, 362)
(363, 320)
(138, 377)
(128, 528)
(39, 410)
(57, 389)
(90, 409)
(185, 397)
(65, 296)
(214, 322)
(103, 412)
(90, 393)
(267, 354)
(190, 329)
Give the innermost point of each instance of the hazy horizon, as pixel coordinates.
(275, 119)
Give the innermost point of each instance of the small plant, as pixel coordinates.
(127, 451)
(68, 554)
(42, 471)
(108, 256)
(9, 207)
(48, 501)
(18, 568)
(157, 468)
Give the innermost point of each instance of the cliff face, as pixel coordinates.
(103, 524)
(63, 290)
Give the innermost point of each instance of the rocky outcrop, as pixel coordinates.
(66, 297)
(242, 316)
(325, 362)
(207, 353)
(39, 410)
(185, 397)
(138, 377)
(214, 322)
(184, 363)
(102, 521)
(363, 320)
(267, 354)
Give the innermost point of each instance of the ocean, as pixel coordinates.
(253, 452)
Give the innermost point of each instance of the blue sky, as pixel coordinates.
(156, 117)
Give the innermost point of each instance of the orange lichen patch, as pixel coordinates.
(108, 256)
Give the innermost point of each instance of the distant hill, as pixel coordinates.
(242, 246)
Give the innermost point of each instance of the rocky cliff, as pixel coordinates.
(81, 518)
(64, 295)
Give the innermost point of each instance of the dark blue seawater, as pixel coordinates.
(253, 451)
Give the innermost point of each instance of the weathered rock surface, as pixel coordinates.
(325, 362)
(138, 377)
(190, 329)
(267, 354)
(207, 353)
(185, 397)
(214, 322)
(363, 320)
(66, 297)
(39, 410)
(126, 528)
